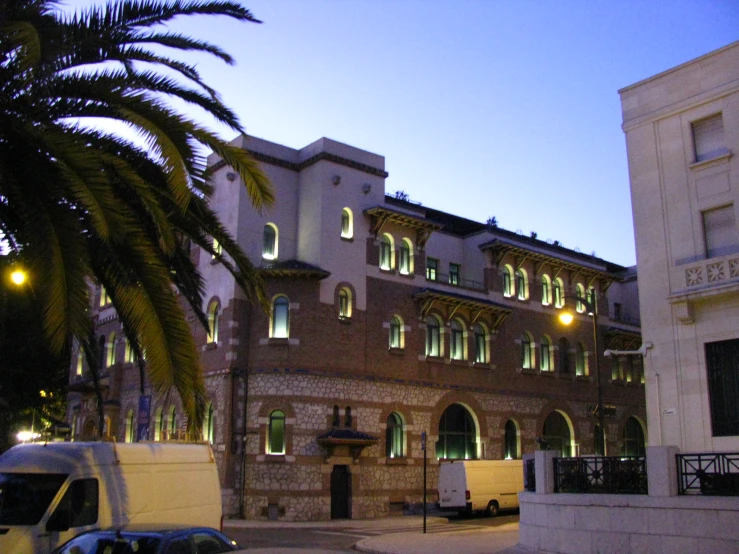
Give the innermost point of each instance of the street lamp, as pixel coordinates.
(567, 318)
(18, 277)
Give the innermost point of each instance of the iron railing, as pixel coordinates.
(529, 475)
(601, 475)
(714, 474)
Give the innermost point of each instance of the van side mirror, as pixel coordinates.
(59, 520)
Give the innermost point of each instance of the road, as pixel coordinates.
(343, 538)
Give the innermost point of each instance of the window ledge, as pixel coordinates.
(584, 378)
(436, 359)
(275, 458)
(528, 371)
(459, 362)
(347, 239)
(407, 275)
(214, 261)
(211, 346)
(402, 461)
(548, 373)
(387, 270)
(483, 365)
(279, 341)
(345, 319)
(719, 158)
(396, 351)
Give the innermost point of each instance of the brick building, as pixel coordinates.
(388, 320)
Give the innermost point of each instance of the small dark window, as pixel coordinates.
(348, 417)
(454, 274)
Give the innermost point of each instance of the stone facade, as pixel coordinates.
(301, 412)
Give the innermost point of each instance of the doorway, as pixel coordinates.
(341, 493)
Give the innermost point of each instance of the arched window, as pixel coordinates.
(158, 424)
(347, 224)
(580, 292)
(104, 298)
(101, 352)
(564, 356)
(270, 242)
(546, 290)
(557, 434)
(172, 423)
(633, 438)
(348, 417)
(213, 321)
(217, 249)
(545, 354)
(280, 317)
(397, 335)
(558, 291)
(510, 441)
(405, 265)
(345, 303)
(80, 358)
(394, 436)
(110, 351)
(592, 298)
(387, 252)
(481, 344)
(522, 285)
(457, 434)
(130, 435)
(128, 356)
(457, 350)
(527, 351)
(209, 423)
(433, 338)
(276, 433)
(508, 286)
(581, 360)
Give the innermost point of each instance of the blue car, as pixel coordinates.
(150, 540)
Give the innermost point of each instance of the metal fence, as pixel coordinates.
(714, 474)
(601, 475)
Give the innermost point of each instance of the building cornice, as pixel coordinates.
(300, 166)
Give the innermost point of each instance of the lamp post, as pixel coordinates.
(567, 318)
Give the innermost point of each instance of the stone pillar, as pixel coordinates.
(543, 460)
(662, 470)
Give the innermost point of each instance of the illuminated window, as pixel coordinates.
(633, 438)
(80, 357)
(128, 356)
(527, 351)
(454, 270)
(130, 427)
(394, 436)
(457, 434)
(269, 243)
(217, 249)
(397, 338)
(545, 354)
(432, 269)
(387, 252)
(209, 423)
(433, 336)
(580, 293)
(158, 424)
(280, 317)
(276, 433)
(214, 317)
(110, 351)
(558, 292)
(345, 303)
(481, 344)
(172, 423)
(347, 224)
(508, 284)
(522, 285)
(557, 434)
(510, 440)
(546, 290)
(456, 342)
(104, 298)
(405, 265)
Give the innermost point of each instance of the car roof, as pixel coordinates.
(153, 529)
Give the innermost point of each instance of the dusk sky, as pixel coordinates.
(481, 108)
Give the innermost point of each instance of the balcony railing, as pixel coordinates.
(714, 474)
(443, 278)
(601, 475)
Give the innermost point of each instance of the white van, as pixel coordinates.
(51, 492)
(480, 485)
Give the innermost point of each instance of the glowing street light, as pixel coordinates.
(18, 277)
(567, 318)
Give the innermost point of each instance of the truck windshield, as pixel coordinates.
(24, 497)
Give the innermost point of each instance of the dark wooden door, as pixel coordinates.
(341, 493)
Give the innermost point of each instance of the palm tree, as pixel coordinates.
(86, 205)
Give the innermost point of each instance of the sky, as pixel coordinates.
(481, 108)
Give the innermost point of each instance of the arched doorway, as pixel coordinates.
(557, 434)
(634, 443)
(457, 434)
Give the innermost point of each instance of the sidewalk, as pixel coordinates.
(502, 539)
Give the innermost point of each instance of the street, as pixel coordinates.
(342, 537)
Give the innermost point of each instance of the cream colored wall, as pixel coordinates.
(669, 191)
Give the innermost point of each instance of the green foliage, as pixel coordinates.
(82, 204)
